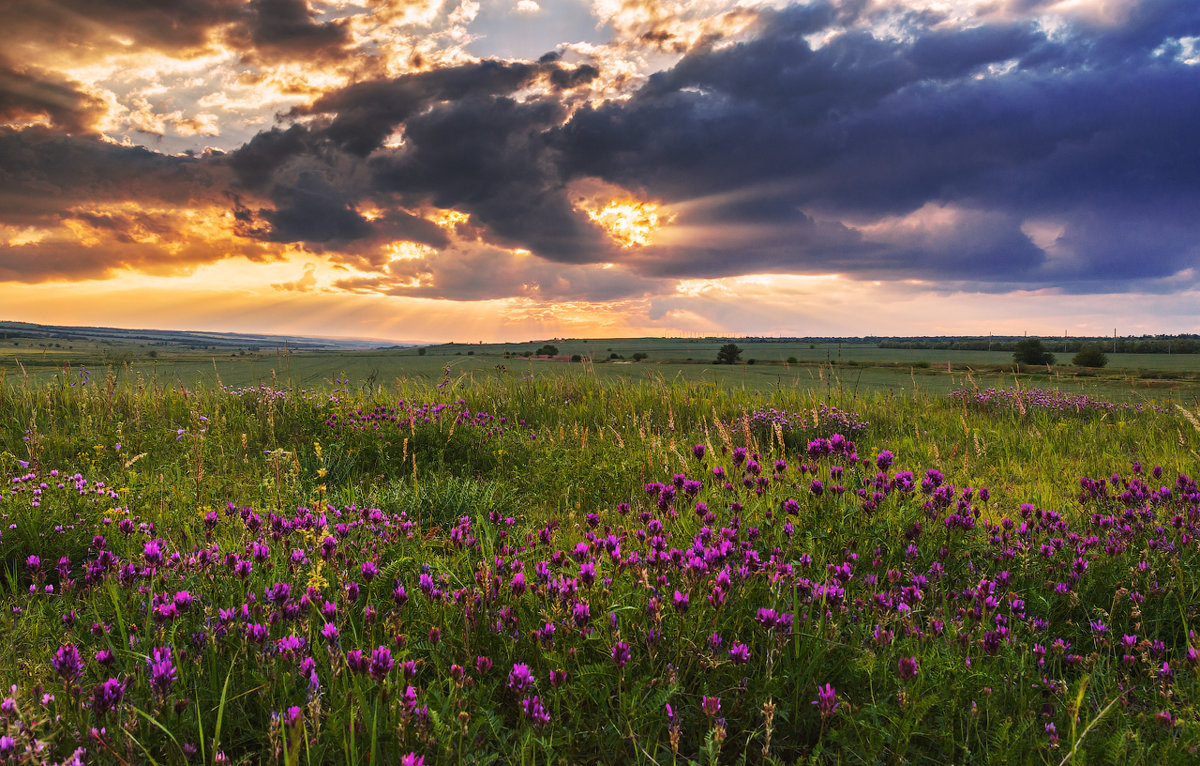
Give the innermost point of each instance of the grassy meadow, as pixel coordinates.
(321, 558)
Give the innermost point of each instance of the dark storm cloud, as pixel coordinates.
(466, 145)
(262, 30)
(44, 173)
(117, 194)
(27, 94)
(288, 29)
(865, 127)
(170, 25)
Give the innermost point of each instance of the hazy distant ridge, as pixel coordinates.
(13, 330)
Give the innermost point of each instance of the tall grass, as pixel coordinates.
(569, 570)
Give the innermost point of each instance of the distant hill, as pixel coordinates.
(188, 338)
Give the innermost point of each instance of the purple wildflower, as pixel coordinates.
(739, 653)
(68, 663)
(161, 668)
(520, 678)
(107, 696)
(381, 663)
(620, 653)
(826, 700)
(532, 706)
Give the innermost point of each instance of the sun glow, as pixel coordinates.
(629, 222)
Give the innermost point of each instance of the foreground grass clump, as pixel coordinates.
(564, 571)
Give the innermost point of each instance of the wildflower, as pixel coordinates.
(381, 663)
(153, 552)
(710, 705)
(908, 668)
(412, 759)
(355, 661)
(162, 671)
(826, 700)
(107, 696)
(698, 451)
(681, 602)
(620, 653)
(68, 663)
(739, 653)
(8, 747)
(520, 678)
(369, 570)
(532, 706)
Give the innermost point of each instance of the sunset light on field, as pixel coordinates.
(530, 161)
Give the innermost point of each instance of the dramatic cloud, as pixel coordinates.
(28, 95)
(974, 146)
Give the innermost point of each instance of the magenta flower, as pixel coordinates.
(710, 705)
(908, 668)
(355, 661)
(520, 678)
(107, 696)
(381, 663)
(369, 570)
(153, 552)
(620, 653)
(681, 602)
(826, 700)
(739, 653)
(68, 663)
(161, 668)
(533, 709)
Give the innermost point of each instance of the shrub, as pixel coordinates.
(729, 354)
(1031, 351)
(1090, 355)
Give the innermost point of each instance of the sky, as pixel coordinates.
(462, 170)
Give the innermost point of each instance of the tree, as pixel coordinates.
(1031, 351)
(729, 354)
(639, 356)
(547, 350)
(1090, 355)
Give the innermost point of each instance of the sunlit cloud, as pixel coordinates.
(619, 167)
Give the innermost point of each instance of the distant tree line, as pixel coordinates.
(1157, 344)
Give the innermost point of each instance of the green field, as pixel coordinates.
(857, 367)
(576, 563)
